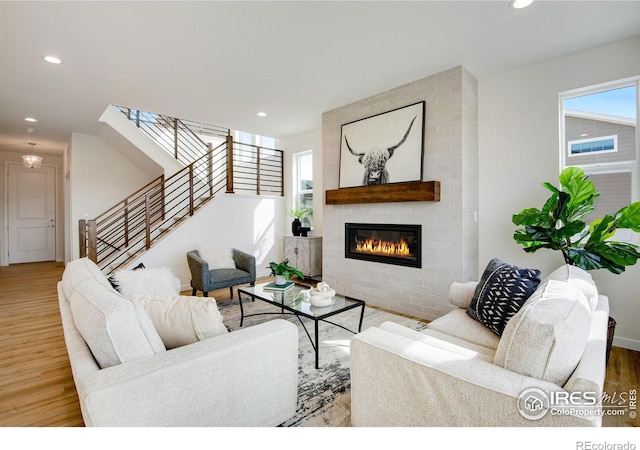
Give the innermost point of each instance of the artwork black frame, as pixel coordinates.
(384, 148)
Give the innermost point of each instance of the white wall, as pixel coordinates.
(518, 148)
(47, 160)
(311, 140)
(99, 177)
(252, 224)
(144, 152)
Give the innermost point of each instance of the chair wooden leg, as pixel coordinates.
(230, 292)
(194, 291)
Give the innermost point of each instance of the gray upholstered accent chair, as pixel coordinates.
(205, 280)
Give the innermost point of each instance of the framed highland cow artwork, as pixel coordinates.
(385, 148)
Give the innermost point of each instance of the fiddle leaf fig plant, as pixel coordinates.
(559, 226)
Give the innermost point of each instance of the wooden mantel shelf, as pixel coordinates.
(415, 191)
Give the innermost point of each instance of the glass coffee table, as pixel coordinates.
(291, 302)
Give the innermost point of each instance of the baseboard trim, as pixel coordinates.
(629, 344)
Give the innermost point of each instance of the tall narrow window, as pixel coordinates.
(600, 135)
(303, 174)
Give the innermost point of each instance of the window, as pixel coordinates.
(246, 153)
(600, 135)
(303, 187)
(605, 144)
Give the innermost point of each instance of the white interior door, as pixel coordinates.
(32, 214)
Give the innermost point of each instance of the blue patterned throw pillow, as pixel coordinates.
(500, 294)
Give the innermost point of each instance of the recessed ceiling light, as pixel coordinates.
(30, 119)
(519, 4)
(262, 114)
(53, 60)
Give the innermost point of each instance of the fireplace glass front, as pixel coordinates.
(384, 243)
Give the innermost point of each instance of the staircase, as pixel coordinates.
(133, 225)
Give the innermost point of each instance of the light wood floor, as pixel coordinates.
(36, 385)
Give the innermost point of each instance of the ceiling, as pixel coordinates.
(222, 62)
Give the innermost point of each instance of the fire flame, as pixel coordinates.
(379, 247)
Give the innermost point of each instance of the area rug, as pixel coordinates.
(324, 398)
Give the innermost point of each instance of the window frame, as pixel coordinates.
(594, 89)
(297, 192)
(628, 166)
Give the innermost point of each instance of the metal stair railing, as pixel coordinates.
(131, 226)
(177, 137)
(257, 169)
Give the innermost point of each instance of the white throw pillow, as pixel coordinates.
(114, 328)
(578, 277)
(547, 337)
(152, 281)
(461, 294)
(217, 255)
(182, 320)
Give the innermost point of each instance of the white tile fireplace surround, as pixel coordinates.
(449, 230)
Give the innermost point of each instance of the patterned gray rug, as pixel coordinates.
(323, 394)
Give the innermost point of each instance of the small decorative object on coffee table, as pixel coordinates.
(273, 286)
(322, 294)
(283, 271)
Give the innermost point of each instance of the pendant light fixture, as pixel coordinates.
(32, 161)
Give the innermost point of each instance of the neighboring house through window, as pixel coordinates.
(600, 135)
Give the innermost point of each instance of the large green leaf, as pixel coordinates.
(529, 216)
(570, 175)
(620, 253)
(601, 229)
(551, 187)
(560, 211)
(575, 183)
(580, 189)
(570, 229)
(629, 217)
(584, 258)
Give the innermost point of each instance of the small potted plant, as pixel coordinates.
(298, 214)
(283, 271)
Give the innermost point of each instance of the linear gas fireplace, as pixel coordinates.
(384, 243)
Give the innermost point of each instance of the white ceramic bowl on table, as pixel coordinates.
(321, 298)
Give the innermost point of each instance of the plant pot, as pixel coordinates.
(280, 280)
(295, 227)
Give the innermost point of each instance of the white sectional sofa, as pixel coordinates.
(457, 372)
(125, 376)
